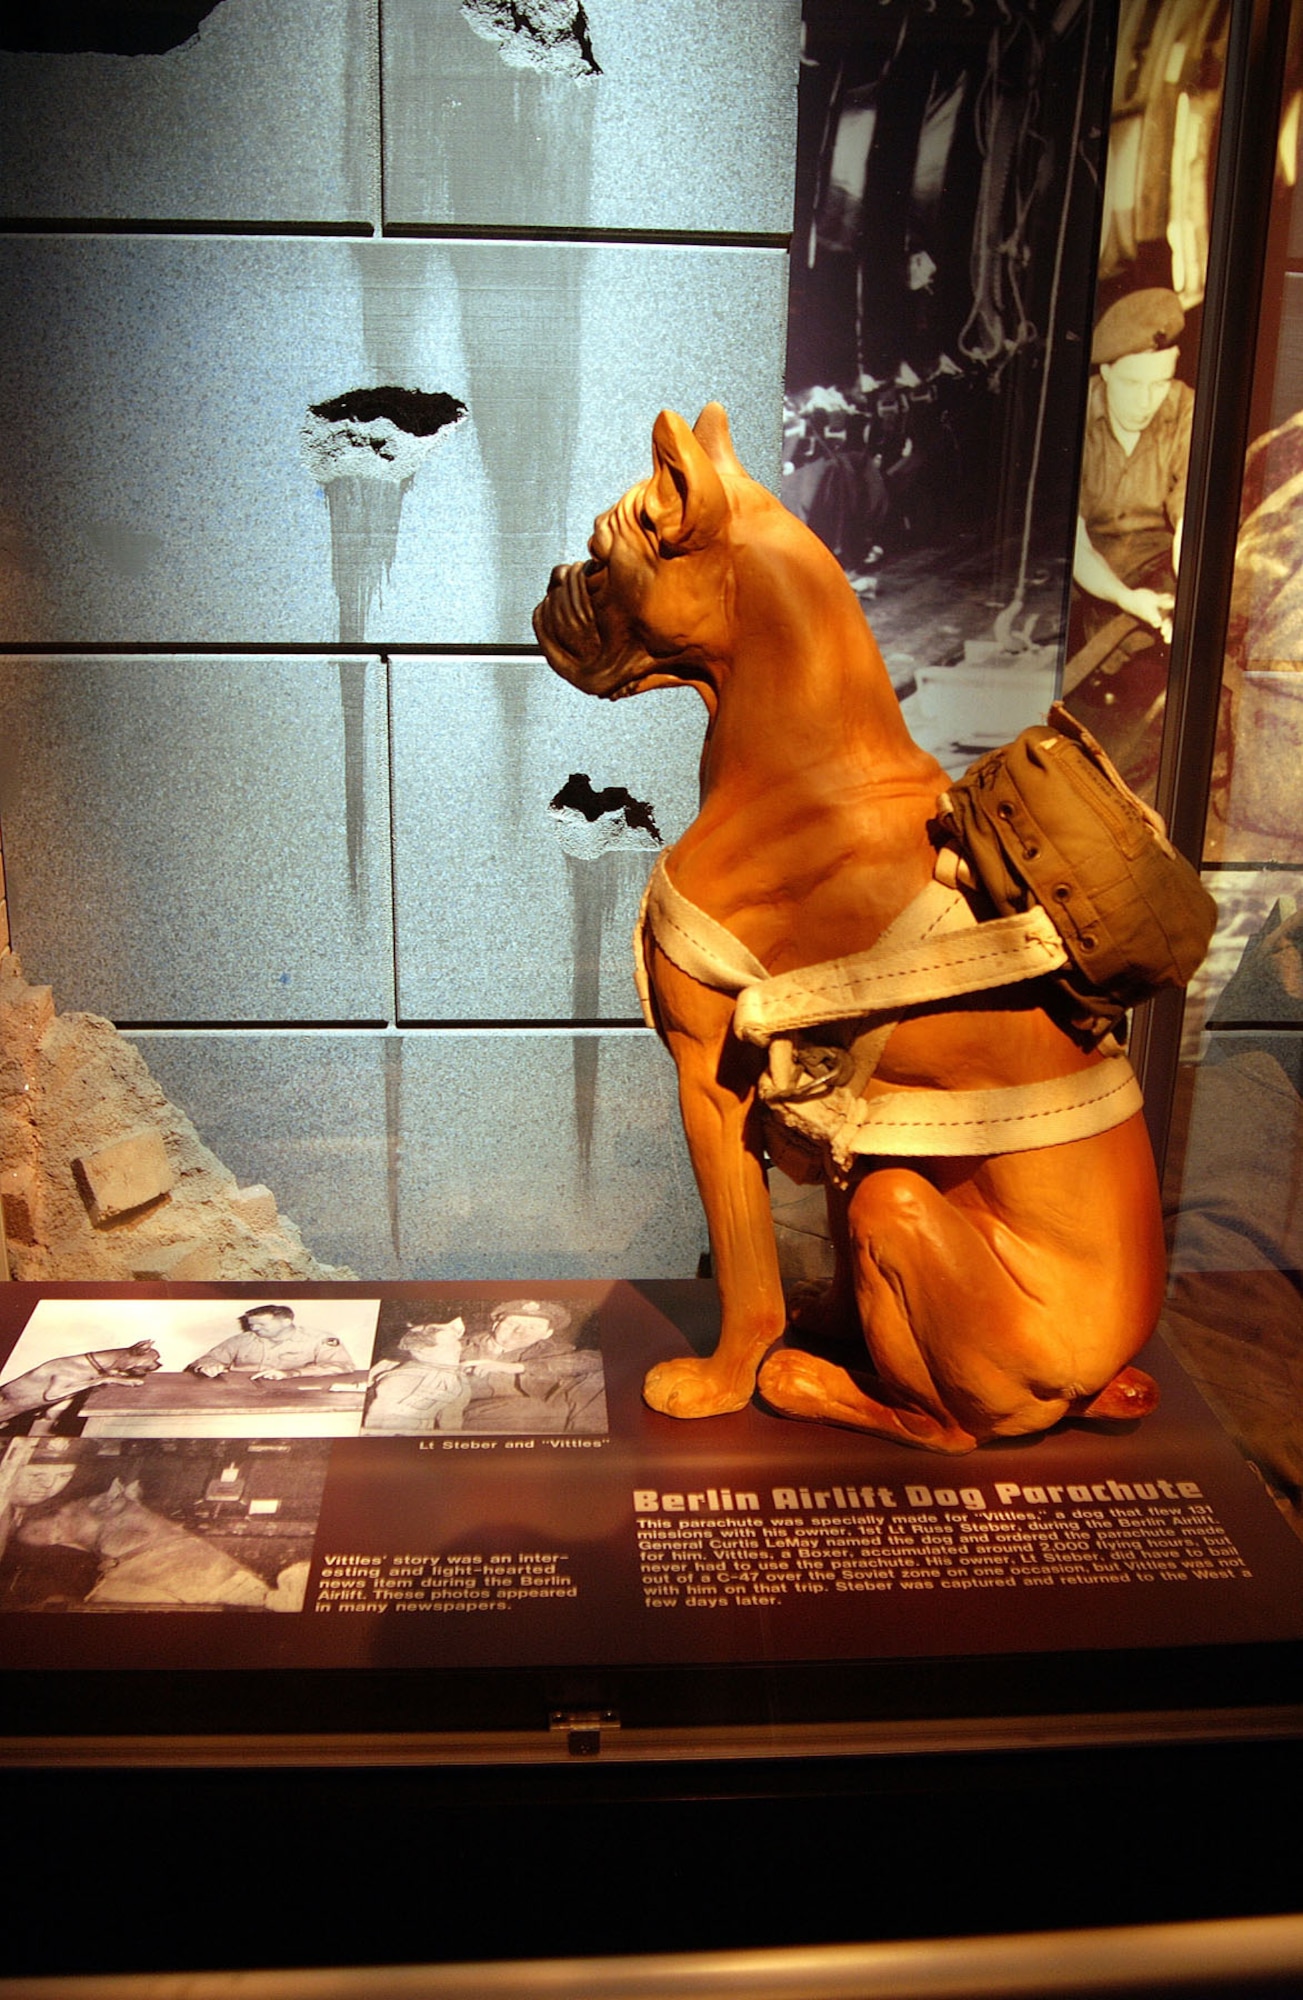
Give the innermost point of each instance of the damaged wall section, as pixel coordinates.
(404, 1007)
(547, 35)
(102, 1178)
(96, 27)
(589, 822)
(364, 448)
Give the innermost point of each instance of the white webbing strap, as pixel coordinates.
(697, 944)
(933, 949)
(1014, 1119)
(999, 953)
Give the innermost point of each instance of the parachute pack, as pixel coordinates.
(1047, 820)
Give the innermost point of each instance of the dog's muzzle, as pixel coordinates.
(565, 623)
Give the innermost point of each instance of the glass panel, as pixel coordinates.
(1233, 1194)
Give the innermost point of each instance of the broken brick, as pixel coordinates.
(125, 1175)
(255, 1207)
(195, 1260)
(18, 1204)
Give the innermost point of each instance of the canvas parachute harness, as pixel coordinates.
(1088, 891)
(814, 1086)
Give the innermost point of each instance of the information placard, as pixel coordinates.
(465, 1477)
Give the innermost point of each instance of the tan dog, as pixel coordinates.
(46, 1392)
(996, 1293)
(150, 1562)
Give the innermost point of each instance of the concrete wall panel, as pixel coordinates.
(691, 124)
(305, 1114)
(202, 840)
(551, 1155)
(155, 488)
(512, 1156)
(267, 115)
(506, 911)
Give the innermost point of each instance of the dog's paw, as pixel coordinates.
(689, 1387)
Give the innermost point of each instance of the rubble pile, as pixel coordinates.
(102, 1178)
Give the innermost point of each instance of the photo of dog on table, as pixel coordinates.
(189, 1368)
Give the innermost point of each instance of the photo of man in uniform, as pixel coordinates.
(423, 1386)
(528, 1374)
(190, 1368)
(1135, 459)
(271, 1345)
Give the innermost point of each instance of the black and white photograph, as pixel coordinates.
(1144, 355)
(175, 1368)
(1252, 977)
(1253, 818)
(1253, 812)
(948, 178)
(151, 1525)
(521, 1365)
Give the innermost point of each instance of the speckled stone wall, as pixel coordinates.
(158, 486)
(285, 788)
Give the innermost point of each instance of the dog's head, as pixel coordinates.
(84, 1523)
(652, 605)
(142, 1359)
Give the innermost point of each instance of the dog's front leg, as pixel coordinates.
(721, 1120)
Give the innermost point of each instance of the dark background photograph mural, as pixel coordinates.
(949, 166)
(1167, 94)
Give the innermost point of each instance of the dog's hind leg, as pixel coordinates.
(959, 1349)
(797, 1384)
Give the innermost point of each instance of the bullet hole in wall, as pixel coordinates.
(548, 35)
(382, 433)
(101, 27)
(419, 412)
(590, 822)
(364, 448)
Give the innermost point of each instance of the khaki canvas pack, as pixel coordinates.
(1048, 820)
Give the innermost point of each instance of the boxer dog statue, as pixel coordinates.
(991, 1191)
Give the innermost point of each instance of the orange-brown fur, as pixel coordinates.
(994, 1295)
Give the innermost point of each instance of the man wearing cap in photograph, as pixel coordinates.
(529, 1375)
(1128, 549)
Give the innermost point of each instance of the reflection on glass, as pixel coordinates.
(1234, 1194)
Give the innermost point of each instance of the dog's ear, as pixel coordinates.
(713, 434)
(685, 497)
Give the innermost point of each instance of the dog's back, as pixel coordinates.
(53, 1382)
(150, 1559)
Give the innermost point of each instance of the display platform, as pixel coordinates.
(446, 1506)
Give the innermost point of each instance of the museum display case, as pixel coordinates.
(346, 1198)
